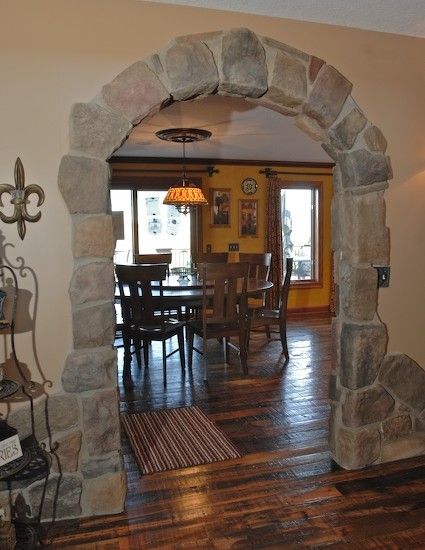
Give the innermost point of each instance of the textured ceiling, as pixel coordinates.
(393, 16)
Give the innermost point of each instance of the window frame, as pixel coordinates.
(317, 230)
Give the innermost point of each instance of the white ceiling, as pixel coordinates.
(241, 130)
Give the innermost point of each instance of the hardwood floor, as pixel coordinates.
(285, 492)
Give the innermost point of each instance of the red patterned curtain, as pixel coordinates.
(274, 239)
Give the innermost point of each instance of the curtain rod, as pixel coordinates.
(210, 170)
(268, 172)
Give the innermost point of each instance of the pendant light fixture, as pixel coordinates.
(185, 196)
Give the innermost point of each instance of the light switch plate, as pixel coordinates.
(383, 272)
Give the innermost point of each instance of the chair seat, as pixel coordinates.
(165, 329)
(216, 329)
(264, 314)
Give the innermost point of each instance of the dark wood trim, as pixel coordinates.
(207, 161)
(147, 183)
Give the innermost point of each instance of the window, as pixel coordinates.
(152, 227)
(301, 239)
(162, 228)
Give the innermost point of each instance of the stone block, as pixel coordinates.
(190, 69)
(101, 422)
(96, 467)
(90, 369)
(362, 168)
(62, 499)
(336, 329)
(331, 151)
(21, 420)
(405, 379)
(60, 410)
(95, 131)
(211, 37)
(84, 184)
(366, 407)
(310, 127)
(364, 238)
(375, 139)
(403, 447)
(329, 93)
(344, 134)
(363, 347)
(358, 448)
(277, 107)
(93, 236)
(334, 426)
(105, 494)
(135, 93)
(288, 81)
(64, 412)
(92, 282)
(67, 453)
(334, 390)
(242, 67)
(94, 326)
(358, 292)
(313, 70)
(419, 420)
(272, 45)
(393, 428)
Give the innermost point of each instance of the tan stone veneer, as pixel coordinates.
(377, 411)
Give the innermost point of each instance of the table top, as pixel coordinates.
(191, 287)
(192, 282)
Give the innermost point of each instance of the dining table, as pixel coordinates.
(186, 290)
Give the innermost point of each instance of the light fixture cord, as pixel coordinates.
(184, 161)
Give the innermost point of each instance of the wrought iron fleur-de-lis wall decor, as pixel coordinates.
(19, 199)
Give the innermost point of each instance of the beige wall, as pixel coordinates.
(53, 54)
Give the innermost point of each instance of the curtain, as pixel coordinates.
(274, 239)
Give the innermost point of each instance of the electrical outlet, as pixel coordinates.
(233, 247)
(209, 249)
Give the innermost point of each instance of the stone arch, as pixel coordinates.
(368, 411)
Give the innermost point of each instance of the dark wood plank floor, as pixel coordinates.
(285, 492)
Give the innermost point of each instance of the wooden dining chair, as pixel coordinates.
(259, 268)
(275, 317)
(143, 312)
(163, 258)
(224, 310)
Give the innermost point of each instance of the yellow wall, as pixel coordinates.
(231, 177)
(53, 54)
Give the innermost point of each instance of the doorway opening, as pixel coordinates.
(318, 97)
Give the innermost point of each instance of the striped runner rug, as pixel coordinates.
(176, 438)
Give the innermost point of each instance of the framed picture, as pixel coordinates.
(248, 218)
(220, 207)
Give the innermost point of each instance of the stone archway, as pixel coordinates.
(376, 408)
